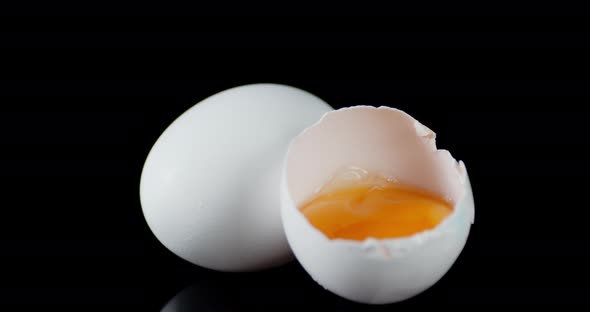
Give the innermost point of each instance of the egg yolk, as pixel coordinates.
(385, 211)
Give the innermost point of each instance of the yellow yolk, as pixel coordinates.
(362, 211)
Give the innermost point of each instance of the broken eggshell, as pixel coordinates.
(392, 143)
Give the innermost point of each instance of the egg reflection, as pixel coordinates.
(230, 293)
(280, 289)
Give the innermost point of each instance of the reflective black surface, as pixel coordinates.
(83, 102)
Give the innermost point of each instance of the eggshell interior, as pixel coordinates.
(382, 140)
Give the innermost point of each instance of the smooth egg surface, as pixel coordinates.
(210, 185)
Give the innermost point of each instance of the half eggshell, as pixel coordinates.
(392, 143)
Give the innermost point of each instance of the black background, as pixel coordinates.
(83, 98)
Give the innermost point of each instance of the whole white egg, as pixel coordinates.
(210, 185)
(392, 143)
